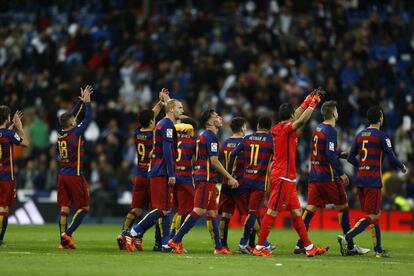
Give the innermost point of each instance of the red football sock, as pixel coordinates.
(300, 228)
(267, 224)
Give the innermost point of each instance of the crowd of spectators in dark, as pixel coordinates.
(243, 58)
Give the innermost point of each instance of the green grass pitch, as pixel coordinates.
(33, 250)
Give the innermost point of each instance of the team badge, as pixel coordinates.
(169, 133)
(214, 147)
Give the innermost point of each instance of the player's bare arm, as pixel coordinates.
(163, 98)
(219, 167)
(307, 113)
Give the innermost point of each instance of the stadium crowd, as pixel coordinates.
(243, 58)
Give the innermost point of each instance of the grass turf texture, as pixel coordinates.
(33, 250)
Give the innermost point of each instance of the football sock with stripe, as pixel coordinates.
(376, 237)
(357, 229)
(189, 222)
(4, 221)
(307, 217)
(300, 228)
(129, 219)
(63, 224)
(174, 224)
(165, 229)
(224, 230)
(213, 228)
(248, 228)
(149, 220)
(343, 217)
(76, 221)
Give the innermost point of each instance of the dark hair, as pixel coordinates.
(328, 109)
(264, 122)
(237, 123)
(285, 111)
(4, 113)
(190, 121)
(205, 116)
(64, 120)
(145, 117)
(374, 114)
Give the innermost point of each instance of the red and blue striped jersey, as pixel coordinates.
(369, 145)
(164, 150)
(257, 149)
(238, 165)
(143, 145)
(70, 144)
(285, 140)
(325, 166)
(184, 163)
(206, 146)
(8, 138)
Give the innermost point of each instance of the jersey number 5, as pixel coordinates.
(178, 152)
(365, 150)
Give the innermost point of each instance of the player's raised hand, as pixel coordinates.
(315, 101)
(344, 179)
(164, 95)
(86, 94)
(17, 119)
(233, 183)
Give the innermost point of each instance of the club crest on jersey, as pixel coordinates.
(388, 141)
(331, 146)
(169, 133)
(214, 147)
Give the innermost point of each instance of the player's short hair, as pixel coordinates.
(64, 120)
(190, 121)
(237, 124)
(285, 111)
(205, 116)
(374, 114)
(328, 109)
(170, 104)
(264, 122)
(145, 117)
(4, 113)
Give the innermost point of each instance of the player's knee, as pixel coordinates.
(296, 212)
(65, 209)
(212, 213)
(226, 215)
(85, 208)
(272, 213)
(253, 212)
(311, 208)
(341, 208)
(200, 212)
(373, 218)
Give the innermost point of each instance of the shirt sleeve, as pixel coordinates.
(212, 146)
(331, 152)
(15, 138)
(234, 153)
(167, 132)
(387, 147)
(77, 109)
(352, 154)
(86, 120)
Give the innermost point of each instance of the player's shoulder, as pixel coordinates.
(5, 132)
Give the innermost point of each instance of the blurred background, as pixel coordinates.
(243, 58)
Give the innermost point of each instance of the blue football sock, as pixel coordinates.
(189, 222)
(158, 236)
(248, 228)
(147, 222)
(343, 217)
(357, 229)
(4, 221)
(216, 233)
(307, 217)
(76, 221)
(224, 230)
(165, 229)
(376, 237)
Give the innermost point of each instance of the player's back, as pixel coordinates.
(321, 170)
(238, 166)
(206, 146)
(71, 151)
(143, 145)
(258, 150)
(7, 139)
(185, 151)
(370, 148)
(284, 151)
(164, 131)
